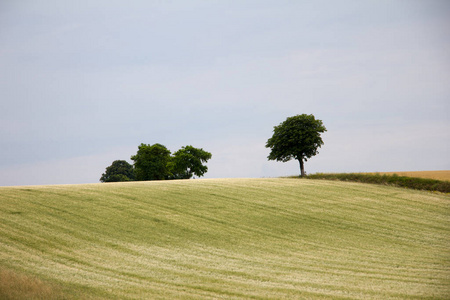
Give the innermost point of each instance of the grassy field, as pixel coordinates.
(438, 175)
(225, 238)
(416, 183)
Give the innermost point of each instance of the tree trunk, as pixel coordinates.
(302, 167)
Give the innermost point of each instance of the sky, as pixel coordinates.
(84, 83)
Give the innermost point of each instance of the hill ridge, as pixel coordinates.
(222, 238)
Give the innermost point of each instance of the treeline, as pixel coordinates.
(394, 180)
(156, 162)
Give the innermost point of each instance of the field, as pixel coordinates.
(438, 175)
(395, 180)
(224, 239)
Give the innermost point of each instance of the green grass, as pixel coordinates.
(443, 175)
(228, 238)
(416, 183)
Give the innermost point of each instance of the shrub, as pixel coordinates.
(394, 180)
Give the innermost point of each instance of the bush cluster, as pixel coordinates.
(394, 180)
(156, 162)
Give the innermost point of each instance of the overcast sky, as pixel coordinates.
(84, 82)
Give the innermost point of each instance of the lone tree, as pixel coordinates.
(119, 170)
(150, 162)
(188, 161)
(298, 137)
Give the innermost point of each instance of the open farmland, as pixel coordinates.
(227, 238)
(438, 175)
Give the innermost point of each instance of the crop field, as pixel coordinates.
(224, 239)
(438, 175)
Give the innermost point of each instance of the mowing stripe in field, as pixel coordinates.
(229, 238)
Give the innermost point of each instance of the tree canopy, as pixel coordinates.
(188, 161)
(298, 137)
(150, 162)
(155, 162)
(119, 170)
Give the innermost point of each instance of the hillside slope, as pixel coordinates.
(438, 175)
(229, 238)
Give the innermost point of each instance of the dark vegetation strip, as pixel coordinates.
(393, 180)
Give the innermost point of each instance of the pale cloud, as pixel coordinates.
(79, 79)
(74, 170)
(394, 148)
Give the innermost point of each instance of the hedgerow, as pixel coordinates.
(394, 180)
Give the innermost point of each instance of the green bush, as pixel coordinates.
(394, 180)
